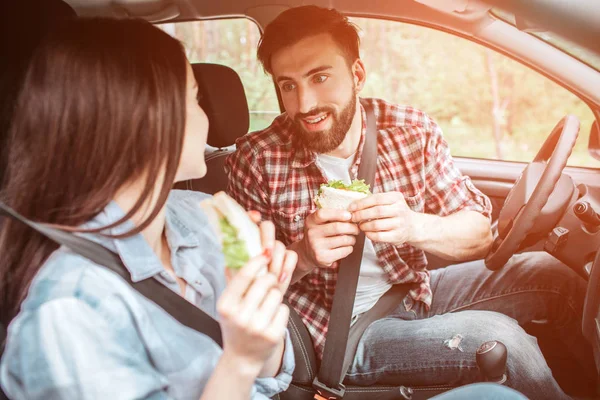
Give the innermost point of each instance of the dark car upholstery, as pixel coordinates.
(23, 25)
(223, 100)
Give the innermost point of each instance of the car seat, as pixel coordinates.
(223, 100)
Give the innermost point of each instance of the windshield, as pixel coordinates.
(581, 53)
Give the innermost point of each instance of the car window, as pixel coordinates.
(575, 50)
(488, 105)
(231, 42)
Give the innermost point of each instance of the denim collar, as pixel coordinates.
(135, 252)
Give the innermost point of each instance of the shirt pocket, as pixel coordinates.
(412, 191)
(290, 225)
(416, 202)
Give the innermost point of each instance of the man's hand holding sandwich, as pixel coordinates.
(384, 217)
(345, 210)
(329, 232)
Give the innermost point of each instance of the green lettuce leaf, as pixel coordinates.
(356, 186)
(234, 248)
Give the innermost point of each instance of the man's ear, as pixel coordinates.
(359, 74)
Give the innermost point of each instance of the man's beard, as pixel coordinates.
(327, 140)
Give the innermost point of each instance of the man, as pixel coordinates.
(421, 203)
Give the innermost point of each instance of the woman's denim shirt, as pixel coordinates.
(84, 333)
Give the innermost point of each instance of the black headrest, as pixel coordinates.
(224, 102)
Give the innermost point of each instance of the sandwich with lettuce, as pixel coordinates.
(339, 195)
(238, 234)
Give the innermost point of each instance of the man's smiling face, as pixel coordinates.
(318, 90)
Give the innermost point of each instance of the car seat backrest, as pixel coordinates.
(2, 327)
(223, 100)
(23, 24)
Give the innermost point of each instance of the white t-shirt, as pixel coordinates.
(372, 281)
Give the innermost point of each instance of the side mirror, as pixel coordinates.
(594, 143)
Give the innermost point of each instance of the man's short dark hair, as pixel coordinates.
(298, 23)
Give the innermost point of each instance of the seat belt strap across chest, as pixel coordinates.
(328, 381)
(179, 308)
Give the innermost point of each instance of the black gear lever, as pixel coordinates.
(491, 361)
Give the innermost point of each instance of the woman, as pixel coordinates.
(106, 122)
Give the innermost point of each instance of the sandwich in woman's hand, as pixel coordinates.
(337, 194)
(238, 234)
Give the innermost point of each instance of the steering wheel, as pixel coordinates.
(524, 205)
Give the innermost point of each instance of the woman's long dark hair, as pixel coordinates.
(102, 105)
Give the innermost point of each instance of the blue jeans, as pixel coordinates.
(481, 391)
(410, 347)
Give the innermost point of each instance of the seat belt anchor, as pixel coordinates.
(326, 393)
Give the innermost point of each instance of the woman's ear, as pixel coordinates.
(359, 74)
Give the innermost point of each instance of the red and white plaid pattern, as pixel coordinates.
(272, 173)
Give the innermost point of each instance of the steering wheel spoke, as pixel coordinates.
(532, 191)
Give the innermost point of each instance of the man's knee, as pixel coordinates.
(524, 357)
(442, 350)
(526, 368)
(454, 336)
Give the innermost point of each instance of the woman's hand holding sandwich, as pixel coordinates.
(252, 316)
(241, 239)
(384, 217)
(283, 261)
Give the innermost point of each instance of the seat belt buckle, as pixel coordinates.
(326, 393)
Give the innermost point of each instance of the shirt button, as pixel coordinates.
(297, 218)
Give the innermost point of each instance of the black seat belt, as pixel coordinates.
(342, 340)
(179, 308)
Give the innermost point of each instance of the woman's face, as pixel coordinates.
(192, 164)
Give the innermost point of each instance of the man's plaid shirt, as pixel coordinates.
(272, 173)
